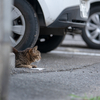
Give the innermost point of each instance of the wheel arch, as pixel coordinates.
(35, 4)
(93, 4)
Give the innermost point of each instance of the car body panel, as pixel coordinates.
(53, 8)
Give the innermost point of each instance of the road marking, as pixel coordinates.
(76, 53)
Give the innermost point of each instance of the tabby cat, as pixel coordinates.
(26, 57)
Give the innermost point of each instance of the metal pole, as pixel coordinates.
(5, 31)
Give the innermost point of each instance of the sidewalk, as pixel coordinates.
(63, 74)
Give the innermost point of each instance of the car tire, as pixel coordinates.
(47, 43)
(24, 16)
(91, 32)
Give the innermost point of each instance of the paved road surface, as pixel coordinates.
(72, 68)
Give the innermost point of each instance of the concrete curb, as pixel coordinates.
(12, 60)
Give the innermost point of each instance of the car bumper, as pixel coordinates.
(69, 17)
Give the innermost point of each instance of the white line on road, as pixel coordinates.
(76, 53)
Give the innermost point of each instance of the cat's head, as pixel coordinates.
(35, 55)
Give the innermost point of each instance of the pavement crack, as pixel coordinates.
(73, 69)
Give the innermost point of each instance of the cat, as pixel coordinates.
(24, 58)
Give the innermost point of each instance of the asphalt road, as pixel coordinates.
(72, 68)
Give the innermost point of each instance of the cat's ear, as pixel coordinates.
(32, 49)
(14, 50)
(35, 48)
(29, 50)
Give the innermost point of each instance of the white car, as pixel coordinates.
(91, 31)
(50, 19)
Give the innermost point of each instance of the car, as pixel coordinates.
(45, 22)
(91, 31)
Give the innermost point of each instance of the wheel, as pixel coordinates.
(25, 28)
(47, 43)
(91, 32)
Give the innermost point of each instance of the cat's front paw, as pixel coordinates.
(34, 66)
(29, 66)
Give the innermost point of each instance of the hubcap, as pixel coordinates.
(18, 28)
(93, 28)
